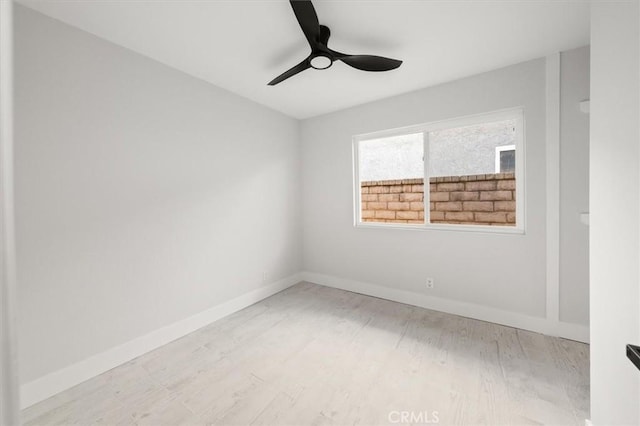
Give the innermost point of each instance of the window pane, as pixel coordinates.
(465, 188)
(391, 179)
(507, 161)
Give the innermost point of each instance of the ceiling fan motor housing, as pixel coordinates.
(321, 62)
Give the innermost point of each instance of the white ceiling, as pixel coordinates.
(241, 45)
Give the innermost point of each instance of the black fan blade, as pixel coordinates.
(325, 33)
(291, 72)
(369, 62)
(308, 20)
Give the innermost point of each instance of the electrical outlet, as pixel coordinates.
(430, 283)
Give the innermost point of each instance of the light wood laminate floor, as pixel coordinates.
(312, 355)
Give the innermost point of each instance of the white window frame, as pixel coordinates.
(507, 114)
(500, 149)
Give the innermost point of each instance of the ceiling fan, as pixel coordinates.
(321, 56)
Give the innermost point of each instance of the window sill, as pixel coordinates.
(510, 230)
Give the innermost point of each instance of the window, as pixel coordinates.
(506, 159)
(474, 167)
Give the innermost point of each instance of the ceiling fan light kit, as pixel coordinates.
(321, 56)
(321, 62)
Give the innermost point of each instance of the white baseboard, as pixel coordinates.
(58, 381)
(571, 331)
(512, 319)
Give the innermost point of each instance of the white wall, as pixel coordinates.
(144, 196)
(615, 213)
(574, 190)
(9, 404)
(496, 271)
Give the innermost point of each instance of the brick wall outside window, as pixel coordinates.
(487, 199)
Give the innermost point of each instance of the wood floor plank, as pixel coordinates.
(312, 355)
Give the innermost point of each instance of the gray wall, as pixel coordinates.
(468, 150)
(144, 196)
(574, 192)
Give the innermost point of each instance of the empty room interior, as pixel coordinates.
(272, 212)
